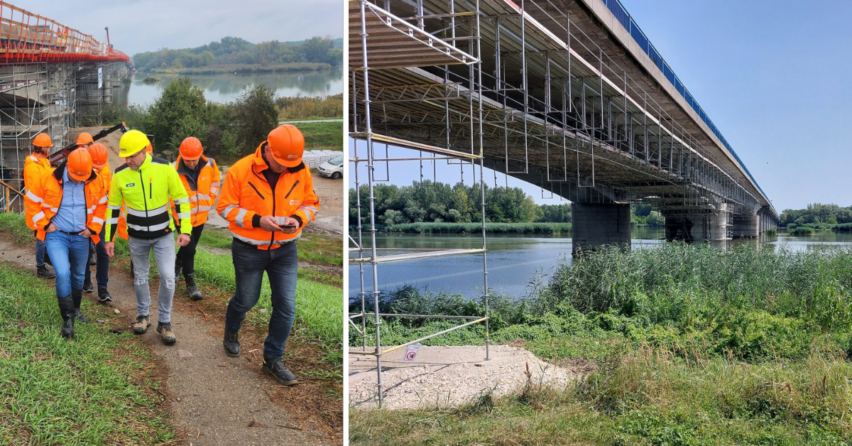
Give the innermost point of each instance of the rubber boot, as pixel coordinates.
(192, 288)
(66, 309)
(77, 295)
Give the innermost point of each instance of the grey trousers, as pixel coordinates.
(164, 255)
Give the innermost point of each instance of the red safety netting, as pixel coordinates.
(28, 37)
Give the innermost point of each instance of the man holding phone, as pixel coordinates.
(268, 197)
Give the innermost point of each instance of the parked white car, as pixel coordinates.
(332, 168)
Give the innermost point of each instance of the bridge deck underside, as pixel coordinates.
(581, 122)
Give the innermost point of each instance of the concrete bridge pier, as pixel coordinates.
(596, 225)
(708, 226)
(746, 225)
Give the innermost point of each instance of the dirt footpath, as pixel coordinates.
(448, 376)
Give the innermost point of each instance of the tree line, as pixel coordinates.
(435, 202)
(816, 214)
(237, 51)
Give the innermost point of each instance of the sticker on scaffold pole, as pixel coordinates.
(411, 352)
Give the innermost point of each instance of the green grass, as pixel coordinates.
(687, 345)
(94, 389)
(312, 247)
(322, 135)
(491, 228)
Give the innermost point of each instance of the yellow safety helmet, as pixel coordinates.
(132, 143)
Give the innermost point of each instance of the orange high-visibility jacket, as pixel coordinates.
(45, 197)
(34, 167)
(247, 196)
(202, 195)
(106, 175)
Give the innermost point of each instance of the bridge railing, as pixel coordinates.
(29, 37)
(639, 37)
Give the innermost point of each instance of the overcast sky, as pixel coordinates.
(137, 26)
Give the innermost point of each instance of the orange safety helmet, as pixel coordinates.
(84, 138)
(79, 165)
(287, 144)
(99, 155)
(42, 140)
(190, 149)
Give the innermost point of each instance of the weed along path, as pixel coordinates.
(449, 376)
(214, 399)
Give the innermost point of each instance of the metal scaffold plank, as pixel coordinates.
(417, 255)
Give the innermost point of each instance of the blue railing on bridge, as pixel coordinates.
(641, 39)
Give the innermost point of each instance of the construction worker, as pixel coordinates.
(99, 154)
(68, 207)
(268, 197)
(35, 166)
(122, 215)
(145, 184)
(200, 176)
(84, 140)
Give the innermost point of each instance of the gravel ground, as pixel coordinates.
(448, 376)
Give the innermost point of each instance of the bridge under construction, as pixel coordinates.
(569, 95)
(52, 78)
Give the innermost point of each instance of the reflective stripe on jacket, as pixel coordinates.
(246, 196)
(146, 192)
(44, 198)
(34, 168)
(202, 195)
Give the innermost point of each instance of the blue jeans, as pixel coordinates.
(70, 254)
(102, 274)
(280, 265)
(40, 248)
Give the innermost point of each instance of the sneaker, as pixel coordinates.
(276, 368)
(103, 296)
(232, 343)
(141, 325)
(43, 272)
(88, 287)
(165, 330)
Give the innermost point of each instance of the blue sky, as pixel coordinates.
(775, 78)
(147, 25)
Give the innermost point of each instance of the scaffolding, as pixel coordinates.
(379, 42)
(543, 91)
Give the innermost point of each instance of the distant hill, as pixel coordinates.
(238, 51)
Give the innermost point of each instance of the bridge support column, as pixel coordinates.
(746, 225)
(594, 225)
(709, 226)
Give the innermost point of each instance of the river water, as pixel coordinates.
(224, 88)
(514, 262)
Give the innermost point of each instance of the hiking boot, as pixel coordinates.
(141, 325)
(88, 287)
(77, 297)
(43, 272)
(232, 343)
(66, 309)
(192, 288)
(103, 296)
(276, 368)
(165, 330)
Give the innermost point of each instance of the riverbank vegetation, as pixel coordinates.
(680, 345)
(299, 108)
(227, 131)
(235, 54)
